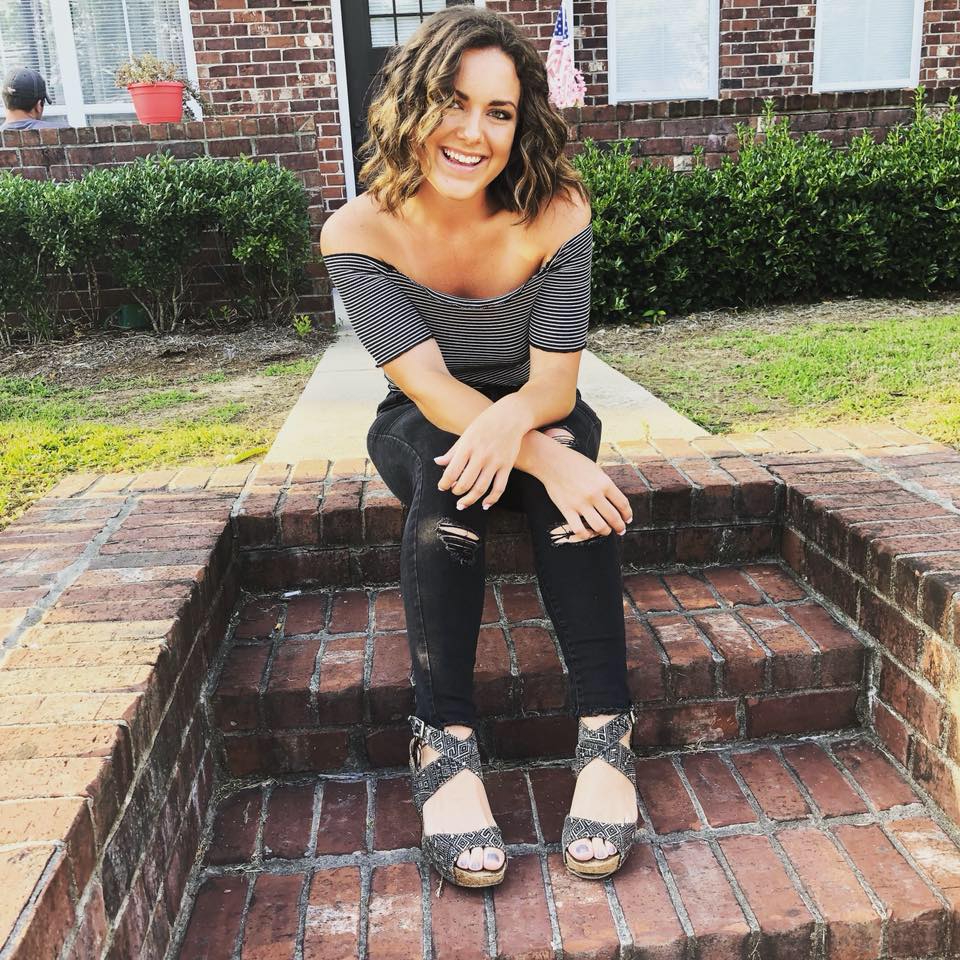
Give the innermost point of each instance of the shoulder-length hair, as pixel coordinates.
(417, 86)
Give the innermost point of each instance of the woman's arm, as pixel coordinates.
(454, 406)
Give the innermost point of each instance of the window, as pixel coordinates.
(78, 44)
(867, 44)
(393, 21)
(663, 49)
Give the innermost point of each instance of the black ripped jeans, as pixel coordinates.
(442, 569)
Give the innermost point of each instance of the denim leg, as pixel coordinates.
(442, 565)
(581, 584)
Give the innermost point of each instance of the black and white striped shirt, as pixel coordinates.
(482, 340)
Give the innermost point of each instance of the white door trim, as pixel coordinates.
(343, 98)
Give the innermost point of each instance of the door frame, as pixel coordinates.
(343, 97)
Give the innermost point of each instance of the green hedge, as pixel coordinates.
(790, 219)
(144, 227)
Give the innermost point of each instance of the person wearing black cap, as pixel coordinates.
(24, 95)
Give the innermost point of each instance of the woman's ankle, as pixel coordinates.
(458, 730)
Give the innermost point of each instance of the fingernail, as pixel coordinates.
(459, 506)
(621, 532)
(629, 519)
(435, 459)
(486, 506)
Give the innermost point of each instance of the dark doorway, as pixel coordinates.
(370, 29)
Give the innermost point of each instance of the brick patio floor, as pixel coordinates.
(803, 844)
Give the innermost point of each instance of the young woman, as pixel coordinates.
(465, 270)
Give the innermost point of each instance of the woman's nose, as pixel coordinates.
(470, 128)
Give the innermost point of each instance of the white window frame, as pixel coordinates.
(712, 92)
(895, 83)
(73, 107)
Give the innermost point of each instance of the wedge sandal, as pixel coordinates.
(441, 850)
(603, 742)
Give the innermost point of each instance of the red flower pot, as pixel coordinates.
(158, 102)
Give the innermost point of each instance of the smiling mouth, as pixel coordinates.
(464, 161)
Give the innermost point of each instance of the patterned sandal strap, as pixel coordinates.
(621, 835)
(604, 742)
(443, 849)
(455, 755)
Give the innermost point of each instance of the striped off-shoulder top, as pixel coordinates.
(482, 340)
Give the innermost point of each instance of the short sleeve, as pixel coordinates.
(561, 311)
(386, 322)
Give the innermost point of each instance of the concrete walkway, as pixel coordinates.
(338, 404)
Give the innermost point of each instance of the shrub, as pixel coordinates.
(791, 218)
(266, 230)
(158, 216)
(146, 226)
(25, 292)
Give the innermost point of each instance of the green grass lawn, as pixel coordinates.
(47, 431)
(903, 370)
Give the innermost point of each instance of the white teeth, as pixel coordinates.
(461, 158)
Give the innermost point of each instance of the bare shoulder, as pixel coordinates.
(359, 226)
(564, 217)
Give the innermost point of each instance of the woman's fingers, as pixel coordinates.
(496, 491)
(612, 516)
(456, 461)
(574, 523)
(480, 486)
(596, 522)
(468, 477)
(617, 497)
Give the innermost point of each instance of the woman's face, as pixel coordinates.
(471, 147)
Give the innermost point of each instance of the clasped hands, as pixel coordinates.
(479, 464)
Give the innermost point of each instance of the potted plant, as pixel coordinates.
(158, 93)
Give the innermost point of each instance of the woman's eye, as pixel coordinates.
(502, 115)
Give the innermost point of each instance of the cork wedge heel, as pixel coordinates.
(604, 742)
(441, 850)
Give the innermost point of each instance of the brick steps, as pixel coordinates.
(320, 681)
(814, 847)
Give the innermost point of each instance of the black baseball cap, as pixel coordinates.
(23, 82)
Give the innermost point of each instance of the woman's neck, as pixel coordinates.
(428, 210)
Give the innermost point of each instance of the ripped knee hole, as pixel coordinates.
(561, 435)
(461, 542)
(564, 535)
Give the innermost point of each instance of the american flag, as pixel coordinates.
(567, 86)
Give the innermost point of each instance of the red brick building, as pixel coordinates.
(836, 67)
(671, 74)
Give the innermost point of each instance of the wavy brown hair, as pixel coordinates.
(417, 84)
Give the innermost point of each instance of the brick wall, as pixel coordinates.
(274, 56)
(766, 46)
(288, 140)
(277, 56)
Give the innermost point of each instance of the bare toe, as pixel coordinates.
(493, 858)
(476, 859)
(463, 861)
(611, 849)
(581, 850)
(599, 848)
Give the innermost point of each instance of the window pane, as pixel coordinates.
(381, 6)
(27, 40)
(432, 6)
(408, 6)
(107, 32)
(382, 33)
(406, 27)
(663, 49)
(865, 42)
